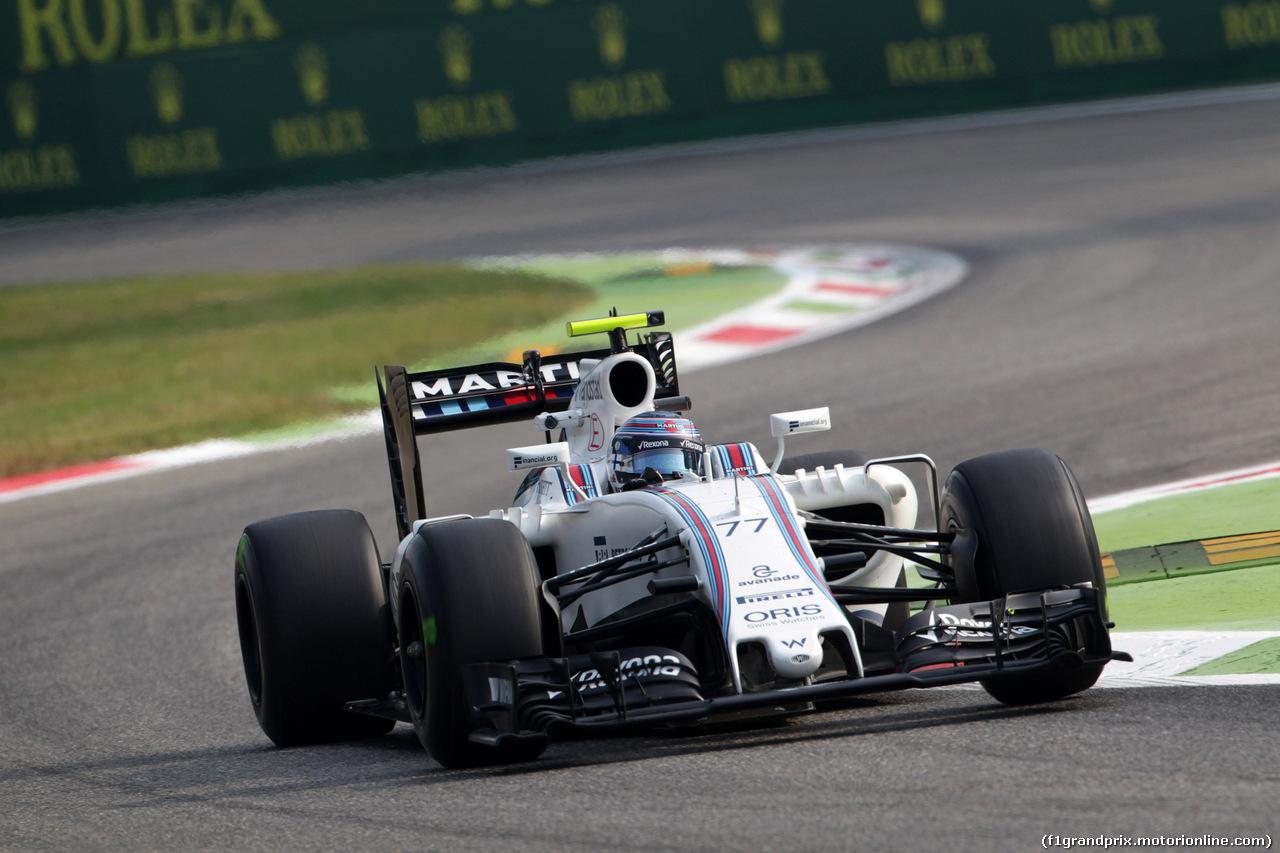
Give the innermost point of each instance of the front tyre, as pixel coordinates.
(314, 624)
(468, 594)
(1033, 532)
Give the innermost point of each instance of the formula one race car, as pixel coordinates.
(642, 578)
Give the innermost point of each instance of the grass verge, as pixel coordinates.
(93, 370)
(1261, 658)
(1240, 600)
(1237, 600)
(1247, 507)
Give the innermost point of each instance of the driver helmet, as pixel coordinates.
(660, 440)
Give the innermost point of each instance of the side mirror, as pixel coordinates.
(538, 456)
(784, 424)
(544, 456)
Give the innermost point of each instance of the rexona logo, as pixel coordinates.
(648, 666)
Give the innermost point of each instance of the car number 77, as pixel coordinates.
(733, 525)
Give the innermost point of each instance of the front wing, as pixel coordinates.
(953, 644)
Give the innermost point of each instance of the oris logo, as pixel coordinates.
(783, 614)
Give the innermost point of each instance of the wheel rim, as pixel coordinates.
(413, 667)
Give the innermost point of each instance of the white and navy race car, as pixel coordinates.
(641, 578)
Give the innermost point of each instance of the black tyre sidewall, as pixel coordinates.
(312, 615)
(469, 593)
(1034, 532)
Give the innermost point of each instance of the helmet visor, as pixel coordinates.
(667, 461)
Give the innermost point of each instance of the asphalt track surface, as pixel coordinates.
(1121, 310)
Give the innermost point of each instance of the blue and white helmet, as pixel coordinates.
(667, 443)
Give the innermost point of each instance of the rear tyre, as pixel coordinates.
(1033, 532)
(468, 594)
(315, 628)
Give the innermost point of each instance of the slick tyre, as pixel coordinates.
(1033, 532)
(315, 628)
(468, 593)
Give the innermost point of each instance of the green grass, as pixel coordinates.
(1261, 657)
(1250, 507)
(631, 283)
(91, 370)
(1239, 600)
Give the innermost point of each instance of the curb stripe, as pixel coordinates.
(855, 289)
(1192, 557)
(72, 472)
(744, 334)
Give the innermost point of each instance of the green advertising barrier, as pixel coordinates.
(109, 102)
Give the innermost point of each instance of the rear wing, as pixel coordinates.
(501, 392)
(434, 401)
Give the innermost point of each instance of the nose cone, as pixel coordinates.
(795, 657)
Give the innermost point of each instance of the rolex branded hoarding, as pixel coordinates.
(772, 64)
(47, 147)
(104, 102)
(1089, 48)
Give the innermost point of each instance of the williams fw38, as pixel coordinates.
(641, 577)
